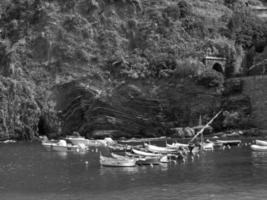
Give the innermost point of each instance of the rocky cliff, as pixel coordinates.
(131, 67)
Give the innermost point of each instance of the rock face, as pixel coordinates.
(140, 108)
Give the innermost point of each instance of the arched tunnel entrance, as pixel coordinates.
(218, 67)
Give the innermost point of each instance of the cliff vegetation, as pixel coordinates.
(132, 67)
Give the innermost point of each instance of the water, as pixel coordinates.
(29, 172)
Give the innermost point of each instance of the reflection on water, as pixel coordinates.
(62, 154)
(118, 170)
(259, 158)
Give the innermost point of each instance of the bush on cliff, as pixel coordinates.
(211, 78)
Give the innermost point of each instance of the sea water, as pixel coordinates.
(29, 172)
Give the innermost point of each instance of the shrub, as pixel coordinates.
(185, 8)
(211, 78)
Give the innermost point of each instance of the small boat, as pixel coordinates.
(176, 145)
(261, 142)
(75, 140)
(115, 162)
(157, 149)
(62, 145)
(144, 153)
(255, 147)
(48, 145)
(228, 142)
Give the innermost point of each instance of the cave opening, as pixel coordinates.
(218, 67)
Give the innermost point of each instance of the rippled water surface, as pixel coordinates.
(27, 171)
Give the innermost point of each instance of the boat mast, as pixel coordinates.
(204, 127)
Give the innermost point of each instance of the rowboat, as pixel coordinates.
(75, 140)
(144, 153)
(261, 142)
(62, 145)
(48, 144)
(176, 145)
(256, 147)
(158, 149)
(115, 162)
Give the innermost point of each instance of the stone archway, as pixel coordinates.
(218, 67)
(216, 63)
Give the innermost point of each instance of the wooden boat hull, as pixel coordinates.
(157, 149)
(255, 147)
(177, 145)
(143, 153)
(261, 142)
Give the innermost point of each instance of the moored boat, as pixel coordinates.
(261, 142)
(157, 149)
(62, 145)
(255, 147)
(176, 145)
(76, 140)
(144, 153)
(115, 162)
(48, 144)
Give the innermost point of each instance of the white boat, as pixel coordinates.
(76, 140)
(48, 145)
(176, 145)
(261, 142)
(144, 153)
(115, 162)
(62, 145)
(158, 149)
(255, 147)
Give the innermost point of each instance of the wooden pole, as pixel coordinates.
(204, 127)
